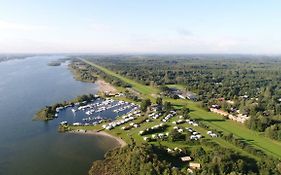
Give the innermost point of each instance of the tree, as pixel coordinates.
(175, 136)
(185, 111)
(278, 166)
(144, 104)
(159, 101)
(167, 106)
(164, 88)
(198, 152)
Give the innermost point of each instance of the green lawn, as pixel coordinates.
(177, 86)
(228, 126)
(216, 121)
(146, 90)
(134, 133)
(269, 146)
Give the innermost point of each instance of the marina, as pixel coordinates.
(95, 112)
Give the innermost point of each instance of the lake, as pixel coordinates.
(34, 147)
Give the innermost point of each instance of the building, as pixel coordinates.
(186, 158)
(193, 165)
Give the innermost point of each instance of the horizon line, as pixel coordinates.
(133, 53)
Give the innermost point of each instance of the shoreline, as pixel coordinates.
(121, 142)
(105, 87)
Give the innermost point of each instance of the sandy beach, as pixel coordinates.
(121, 142)
(105, 87)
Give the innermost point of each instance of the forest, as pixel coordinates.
(149, 160)
(7, 57)
(86, 73)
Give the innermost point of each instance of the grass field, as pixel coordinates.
(254, 138)
(215, 121)
(146, 90)
(134, 133)
(177, 86)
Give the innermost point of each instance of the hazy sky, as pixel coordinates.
(141, 26)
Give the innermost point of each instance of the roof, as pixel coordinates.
(195, 165)
(186, 158)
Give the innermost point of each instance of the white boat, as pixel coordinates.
(77, 124)
(63, 123)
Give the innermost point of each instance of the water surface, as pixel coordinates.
(28, 147)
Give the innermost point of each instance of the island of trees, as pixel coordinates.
(50, 112)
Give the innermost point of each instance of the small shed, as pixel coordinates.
(194, 165)
(186, 158)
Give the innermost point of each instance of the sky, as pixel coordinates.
(140, 26)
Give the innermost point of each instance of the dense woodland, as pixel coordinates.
(252, 82)
(85, 72)
(152, 160)
(7, 57)
(132, 160)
